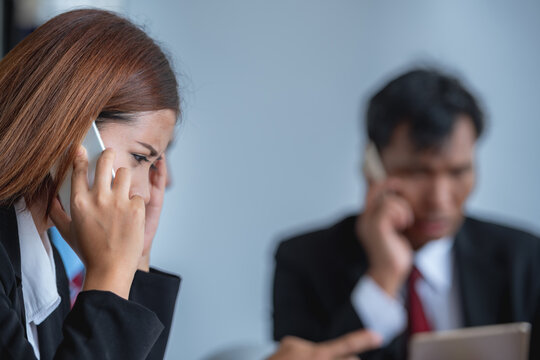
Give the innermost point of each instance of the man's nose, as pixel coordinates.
(439, 194)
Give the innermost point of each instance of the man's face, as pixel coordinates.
(435, 182)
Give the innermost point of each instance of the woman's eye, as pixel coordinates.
(140, 158)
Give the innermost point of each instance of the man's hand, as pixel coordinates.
(380, 229)
(343, 348)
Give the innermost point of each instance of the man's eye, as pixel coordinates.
(140, 158)
(460, 172)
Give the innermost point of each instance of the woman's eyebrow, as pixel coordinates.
(153, 152)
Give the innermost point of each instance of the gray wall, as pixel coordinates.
(271, 140)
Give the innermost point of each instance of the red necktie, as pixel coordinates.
(417, 318)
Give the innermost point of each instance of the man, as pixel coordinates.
(411, 261)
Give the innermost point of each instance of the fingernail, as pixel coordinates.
(80, 151)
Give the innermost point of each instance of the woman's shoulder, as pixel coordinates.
(10, 262)
(8, 279)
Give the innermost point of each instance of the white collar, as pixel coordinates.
(435, 262)
(37, 268)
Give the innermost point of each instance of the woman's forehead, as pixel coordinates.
(155, 128)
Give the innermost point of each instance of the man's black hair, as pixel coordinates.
(429, 101)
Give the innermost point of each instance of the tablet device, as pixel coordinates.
(495, 342)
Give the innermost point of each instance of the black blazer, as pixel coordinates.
(498, 272)
(101, 325)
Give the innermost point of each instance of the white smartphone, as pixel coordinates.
(94, 147)
(373, 167)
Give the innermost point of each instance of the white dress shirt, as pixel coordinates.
(438, 290)
(38, 274)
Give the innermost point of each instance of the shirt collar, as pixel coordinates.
(435, 262)
(37, 268)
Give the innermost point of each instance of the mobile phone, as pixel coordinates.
(94, 147)
(373, 167)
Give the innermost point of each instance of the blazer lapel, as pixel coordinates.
(481, 281)
(50, 331)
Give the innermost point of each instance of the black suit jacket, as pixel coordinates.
(498, 272)
(101, 325)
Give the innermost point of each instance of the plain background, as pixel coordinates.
(272, 136)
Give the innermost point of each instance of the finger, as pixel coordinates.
(79, 177)
(375, 192)
(158, 177)
(163, 170)
(138, 210)
(397, 218)
(138, 201)
(60, 219)
(168, 179)
(122, 182)
(394, 185)
(352, 343)
(402, 211)
(104, 167)
(350, 358)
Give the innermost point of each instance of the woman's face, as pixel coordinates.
(138, 144)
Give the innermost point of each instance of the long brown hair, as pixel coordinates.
(79, 66)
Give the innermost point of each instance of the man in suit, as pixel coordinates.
(411, 261)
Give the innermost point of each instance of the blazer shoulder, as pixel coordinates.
(499, 230)
(7, 274)
(501, 236)
(319, 243)
(9, 248)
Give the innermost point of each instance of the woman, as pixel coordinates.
(82, 66)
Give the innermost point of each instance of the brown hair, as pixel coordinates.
(79, 66)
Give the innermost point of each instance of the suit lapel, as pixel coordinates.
(481, 281)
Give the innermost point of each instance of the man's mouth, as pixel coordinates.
(436, 227)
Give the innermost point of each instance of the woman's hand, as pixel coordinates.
(157, 182)
(107, 226)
